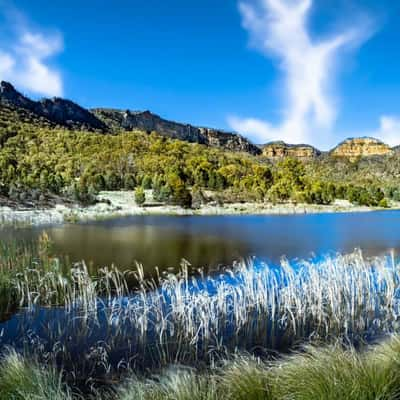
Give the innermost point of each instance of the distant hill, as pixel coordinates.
(66, 113)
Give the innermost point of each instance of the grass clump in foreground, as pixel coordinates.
(326, 373)
(23, 380)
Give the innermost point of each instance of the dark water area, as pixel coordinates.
(210, 241)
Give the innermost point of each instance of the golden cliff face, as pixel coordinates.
(350, 148)
(280, 150)
(361, 147)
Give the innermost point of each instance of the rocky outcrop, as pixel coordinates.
(229, 141)
(361, 147)
(278, 150)
(71, 115)
(57, 110)
(149, 122)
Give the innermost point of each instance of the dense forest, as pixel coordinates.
(39, 159)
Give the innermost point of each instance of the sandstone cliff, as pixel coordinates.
(278, 150)
(57, 111)
(361, 147)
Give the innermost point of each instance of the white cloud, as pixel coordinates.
(389, 130)
(25, 63)
(279, 28)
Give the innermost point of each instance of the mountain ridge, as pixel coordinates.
(103, 120)
(59, 111)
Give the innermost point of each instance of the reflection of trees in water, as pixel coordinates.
(148, 244)
(209, 241)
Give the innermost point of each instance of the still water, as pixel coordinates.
(210, 241)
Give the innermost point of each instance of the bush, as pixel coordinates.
(147, 182)
(140, 196)
(383, 203)
(198, 197)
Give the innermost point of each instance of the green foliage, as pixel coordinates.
(140, 196)
(198, 197)
(180, 194)
(383, 203)
(23, 380)
(328, 373)
(146, 182)
(37, 158)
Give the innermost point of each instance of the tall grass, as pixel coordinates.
(23, 380)
(327, 373)
(31, 276)
(315, 373)
(102, 327)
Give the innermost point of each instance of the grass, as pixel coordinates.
(103, 328)
(327, 373)
(31, 276)
(317, 373)
(23, 380)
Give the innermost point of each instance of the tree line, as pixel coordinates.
(36, 160)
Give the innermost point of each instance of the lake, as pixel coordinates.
(211, 241)
(251, 308)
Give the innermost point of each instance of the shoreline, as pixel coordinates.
(122, 204)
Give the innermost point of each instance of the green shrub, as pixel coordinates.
(140, 196)
(383, 203)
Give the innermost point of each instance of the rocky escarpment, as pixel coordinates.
(69, 114)
(361, 147)
(278, 150)
(59, 111)
(147, 121)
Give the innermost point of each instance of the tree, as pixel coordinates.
(129, 182)
(147, 182)
(140, 196)
(198, 197)
(180, 194)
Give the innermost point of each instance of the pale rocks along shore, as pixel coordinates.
(122, 203)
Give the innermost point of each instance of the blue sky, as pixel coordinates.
(298, 70)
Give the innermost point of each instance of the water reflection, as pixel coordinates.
(210, 241)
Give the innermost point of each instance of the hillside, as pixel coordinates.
(70, 115)
(54, 150)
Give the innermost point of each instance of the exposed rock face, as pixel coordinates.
(361, 147)
(278, 150)
(57, 110)
(228, 140)
(147, 121)
(69, 114)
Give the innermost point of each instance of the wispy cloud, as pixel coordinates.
(389, 130)
(279, 28)
(25, 58)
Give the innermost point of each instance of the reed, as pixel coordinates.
(103, 327)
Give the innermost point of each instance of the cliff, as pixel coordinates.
(278, 150)
(66, 113)
(149, 122)
(361, 147)
(58, 111)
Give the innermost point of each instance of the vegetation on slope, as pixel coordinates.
(38, 160)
